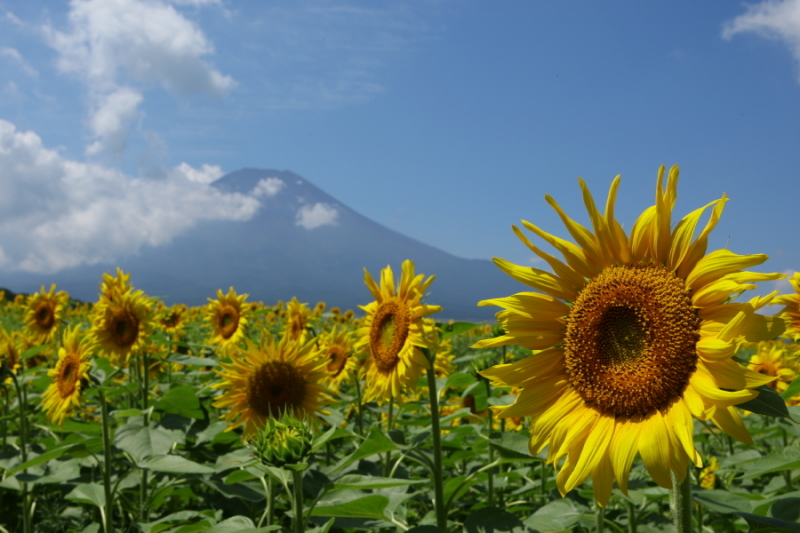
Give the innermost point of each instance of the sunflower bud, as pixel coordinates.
(283, 441)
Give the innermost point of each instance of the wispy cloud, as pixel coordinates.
(57, 213)
(314, 216)
(771, 19)
(268, 187)
(16, 57)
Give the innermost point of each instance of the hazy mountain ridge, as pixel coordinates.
(272, 256)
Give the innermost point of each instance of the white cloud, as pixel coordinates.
(268, 187)
(206, 174)
(113, 45)
(319, 214)
(13, 18)
(56, 213)
(14, 54)
(771, 19)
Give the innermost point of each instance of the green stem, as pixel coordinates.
(387, 459)
(681, 502)
(108, 526)
(787, 474)
(599, 518)
(145, 382)
(490, 474)
(297, 477)
(268, 490)
(359, 414)
(23, 437)
(631, 517)
(699, 519)
(438, 473)
(6, 397)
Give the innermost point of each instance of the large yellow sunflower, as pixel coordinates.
(791, 312)
(63, 393)
(393, 331)
(44, 313)
(228, 317)
(336, 347)
(121, 325)
(266, 380)
(637, 334)
(172, 320)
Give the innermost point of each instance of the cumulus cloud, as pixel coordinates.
(771, 19)
(57, 213)
(112, 45)
(15, 56)
(206, 174)
(320, 214)
(268, 187)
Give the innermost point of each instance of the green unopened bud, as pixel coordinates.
(283, 441)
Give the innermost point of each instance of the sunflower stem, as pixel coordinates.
(359, 414)
(145, 381)
(681, 502)
(23, 437)
(599, 518)
(438, 482)
(490, 473)
(631, 517)
(387, 459)
(108, 525)
(297, 478)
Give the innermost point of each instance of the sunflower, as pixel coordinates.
(10, 353)
(791, 312)
(172, 320)
(298, 316)
(72, 368)
(776, 359)
(393, 332)
(228, 316)
(44, 313)
(637, 334)
(336, 347)
(266, 380)
(113, 286)
(120, 325)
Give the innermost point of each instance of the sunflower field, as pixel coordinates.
(633, 386)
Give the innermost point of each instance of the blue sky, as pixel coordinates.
(447, 121)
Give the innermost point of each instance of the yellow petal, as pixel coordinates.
(593, 451)
(682, 236)
(533, 305)
(603, 481)
(537, 398)
(654, 449)
(713, 349)
(532, 341)
(573, 255)
(560, 269)
(538, 279)
(581, 234)
(642, 234)
(680, 419)
(704, 385)
(717, 292)
(542, 427)
(719, 263)
(624, 448)
(729, 421)
(698, 248)
(729, 374)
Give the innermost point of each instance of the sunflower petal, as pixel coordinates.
(654, 449)
(624, 448)
(538, 279)
(729, 421)
(719, 263)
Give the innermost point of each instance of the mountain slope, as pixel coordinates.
(272, 256)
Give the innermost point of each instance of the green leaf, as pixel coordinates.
(52, 454)
(174, 464)
(34, 351)
(332, 434)
(370, 506)
(793, 389)
(190, 360)
(491, 519)
(764, 524)
(180, 516)
(355, 481)
(512, 445)
(240, 524)
(786, 459)
(87, 428)
(557, 515)
(721, 501)
(786, 509)
(238, 476)
(126, 413)
(180, 400)
(142, 442)
(425, 529)
(88, 493)
(768, 403)
(375, 443)
(456, 328)
(460, 380)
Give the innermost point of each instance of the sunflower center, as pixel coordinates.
(45, 316)
(275, 387)
(390, 328)
(337, 358)
(124, 328)
(228, 321)
(68, 376)
(631, 337)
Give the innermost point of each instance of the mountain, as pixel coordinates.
(271, 257)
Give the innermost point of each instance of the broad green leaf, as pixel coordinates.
(88, 493)
(238, 476)
(793, 389)
(237, 491)
(512, 445)
(786, 509)
(491, 519)
(238, 458)
(768, 403)
(721, 501)
(375, 443)
(457, 328)
(355, 481)
(159, 525)
(142, 442)
(240, 524)
(332, 434)
(180, 400)
(87, 428)
(126, 413)
(34, 351)
(786, 459)
(425, 529)
(459, 379)
(190, 360)
(764, 524)
(174, 464)
(52, 454)
(557, 515)
(370, 506)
